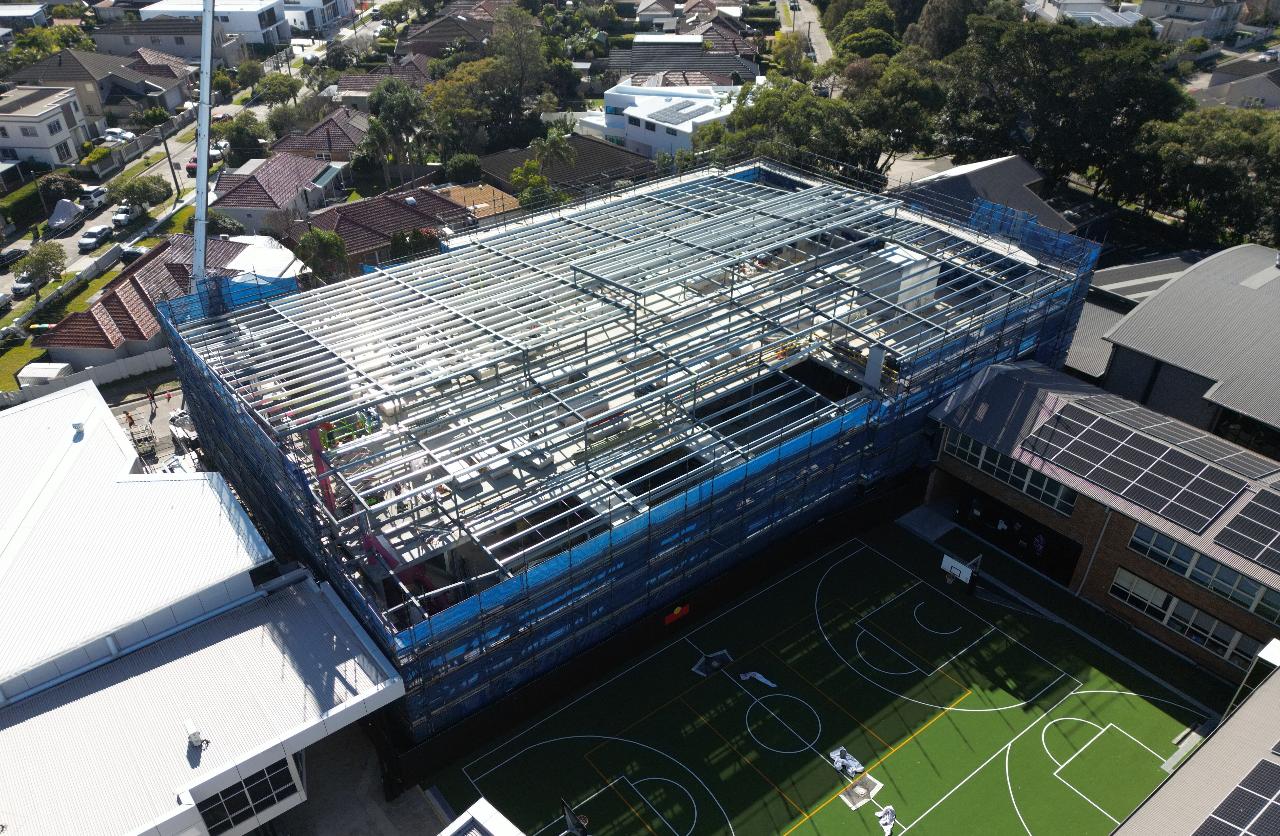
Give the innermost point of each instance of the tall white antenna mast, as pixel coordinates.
(198, 274)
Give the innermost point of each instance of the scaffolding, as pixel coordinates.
(504, 453)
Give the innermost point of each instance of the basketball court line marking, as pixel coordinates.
(857, 648)
(647, 803)
(613, 785)
(1044, 744)
(555, 821)
(916, 615)
(1101, 731)
(839, 706)
(666, 647)
(1008, 780)
(693, 804)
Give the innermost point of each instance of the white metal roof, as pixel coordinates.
(107, 753)
(87, 544)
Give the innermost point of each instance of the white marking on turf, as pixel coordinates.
(1009, 783)
(857, 648)
(648, 804)
(693, 805)
(916, 615)
(1044, 744)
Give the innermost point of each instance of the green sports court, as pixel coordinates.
(970, 713)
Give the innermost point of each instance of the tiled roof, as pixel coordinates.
(481, 199)
(154, 62)
(367, 225)
(272, 185)
(655, 7)
(77, 65)
(594, 162)
(125, 310)
(656, 57)
(432, 37)
(724, 36)
(162, 25)
(409, 72)
(678, 78)
(337, 135)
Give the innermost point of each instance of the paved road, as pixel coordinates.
(808, 21)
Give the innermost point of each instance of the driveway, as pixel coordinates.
(808, 21)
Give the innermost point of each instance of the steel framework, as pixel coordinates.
(503, 453)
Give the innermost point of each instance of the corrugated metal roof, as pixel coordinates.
(106, 753)
(1135, 282)
(1090, 353)
(1004, 404)
(1203, 781)
(1218, 320)
(87, 546)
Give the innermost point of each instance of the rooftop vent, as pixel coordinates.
(412, 201)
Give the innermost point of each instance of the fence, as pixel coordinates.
(121, 369)
(71, 287)
(120, 155)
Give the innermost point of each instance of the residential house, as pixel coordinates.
(659, 15)
(6, 37)
(255, 21)
(333, 138)
(653, 120)
(369, 227)
(271, 193)
(122, 321)
(1240, 68)
(1007, 181)
(153, 62)
(1261, 91)
(19, 16)
(41, 124)
(445, 35)
(596, 165)
(484, 202)
(653, 53)
(1184, 19)
(354, 88)
(178, 36)
(170, 670)
(318, 16)
(103, 83)
(112, 11)
(1203, 347)
(1087, 12)
(724, 34)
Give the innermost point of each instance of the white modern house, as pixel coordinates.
(19, 16)
(317, 15)
(41, 124)
(160, 675)
(656, 120)
(255, 21)
(1180, 20)
(1091, 12)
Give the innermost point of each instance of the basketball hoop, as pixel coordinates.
(950, 579)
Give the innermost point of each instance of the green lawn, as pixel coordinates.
(11, 362)
(177, 223)
(786, 13)
(189, 135)
(969, 714)
(137, 167)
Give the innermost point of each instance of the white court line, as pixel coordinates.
(860, 546)
(674, 832)
(962, 651)
(1089, 743)
(1044, 744)
(1008, 780)
(979, 617)
(857, 646)
(693, 804)
(916, 615)
(575, 804)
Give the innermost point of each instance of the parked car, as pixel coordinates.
(6, 302)
(215, 154)
(66, 216)
(27, 285)
(795, 5)
(10, 257)
(94, 237)
(376, 14)
(126, 214)
(191, 167)
(130, 254)
(119, 135)
(93, 197)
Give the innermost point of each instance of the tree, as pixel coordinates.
(45, 261)
(144, 190)
(552, 149)
(867, 43)
(789, 55)
(250, 72)
(664, 162)
(58, 185)
(151, 117)
(873, 14)
(903, 106)
(285, 118)
(399, 113)
(516, 46)
(325, 253)
(941, 28)
(533, 188)
(420, 242)
(222, 84)
(393, 10)
(217, 224)
(462, 168)
(242, 134)
(1068, 98)
(278, 88)
(339, 55)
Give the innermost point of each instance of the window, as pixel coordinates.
(55, 127)
(178, 40)
(1206, 572)
(155, 39)
(239, 802)
(63, 151)
(1014, 473)
(613, 110)
(4, 133)
(671, 131)
(649, 126)
(75, 106)
(8, 154)
(27, 130)
(631, 120)
(1218, 638)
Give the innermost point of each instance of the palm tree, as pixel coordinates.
(553, 148)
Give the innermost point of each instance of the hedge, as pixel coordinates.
(22, 206)
(621, 41)
(99, 153)
(767, 25)
(763, 10)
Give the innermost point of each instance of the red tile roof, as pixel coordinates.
(125, 310)
(153, 62)
(368, 225)
(337, 135)
(272, 185)
(411, 71)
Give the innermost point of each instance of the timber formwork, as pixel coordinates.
(504, 453)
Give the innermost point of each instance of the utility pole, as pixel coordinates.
(173, 169)
(199, 277)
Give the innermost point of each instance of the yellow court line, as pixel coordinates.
(879, 761)
(828, 697)
(614, 786)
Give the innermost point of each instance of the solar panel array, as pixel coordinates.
(1223, 453)
(1252, 808)
(680, 112)
(1178, 487)
(1255, 531)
